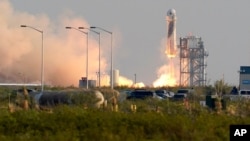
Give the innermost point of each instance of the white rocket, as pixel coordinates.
(171, 48)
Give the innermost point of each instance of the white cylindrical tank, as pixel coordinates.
(171, 48)
(92, 98)
(116, 77)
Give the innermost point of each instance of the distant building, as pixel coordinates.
(244, 77)
(83, 83)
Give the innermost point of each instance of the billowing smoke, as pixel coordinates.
(125, 81)
(64, 50)
(167, 74)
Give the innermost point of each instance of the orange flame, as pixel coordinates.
(167, 75)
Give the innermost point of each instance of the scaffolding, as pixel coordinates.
(192, 61)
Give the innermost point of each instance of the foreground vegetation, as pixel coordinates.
(151, 121)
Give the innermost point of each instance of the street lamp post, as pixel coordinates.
(42, 65)
(99, 34)
(135, 78)
(111, 56)
(87, 52)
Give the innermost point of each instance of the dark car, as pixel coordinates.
(164, 93)
(141, 94)
(185, 91)
(179, 97)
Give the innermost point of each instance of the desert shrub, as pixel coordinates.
(74, 122)
(173, 121)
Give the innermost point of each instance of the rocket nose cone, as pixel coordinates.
(171, 12)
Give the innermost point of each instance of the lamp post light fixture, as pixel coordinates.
(135, 78)
(99, 70)
(111, 56)
(87, 52)
(42, 64)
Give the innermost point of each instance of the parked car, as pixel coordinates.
(141, 94)
(164, 93)
(179, 97)
(242, 94)
(185, 91)
(123, 95)
(182, 94)
(245, 93)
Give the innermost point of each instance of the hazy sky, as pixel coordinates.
(139, 28)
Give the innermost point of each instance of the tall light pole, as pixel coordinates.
(111, 56)
(135, 78)
(99, 34)
(42, 64)
(87, 52)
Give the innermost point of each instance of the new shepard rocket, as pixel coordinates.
(171, 49)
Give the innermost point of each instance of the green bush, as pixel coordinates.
(153, 120)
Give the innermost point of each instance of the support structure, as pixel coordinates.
(192, 61)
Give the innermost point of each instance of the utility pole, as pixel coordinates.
(135, 78)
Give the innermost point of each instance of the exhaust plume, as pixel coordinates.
(64, 50)
(167, 74)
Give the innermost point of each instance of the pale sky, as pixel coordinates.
(139, 28)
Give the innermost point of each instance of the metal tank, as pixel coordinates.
(89, 98)
(116, 77)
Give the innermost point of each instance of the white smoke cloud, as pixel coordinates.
(64, 51)
(167, 74)
(123, 81)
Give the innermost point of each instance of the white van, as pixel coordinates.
(244, 93)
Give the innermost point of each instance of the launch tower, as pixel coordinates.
(192, 61)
